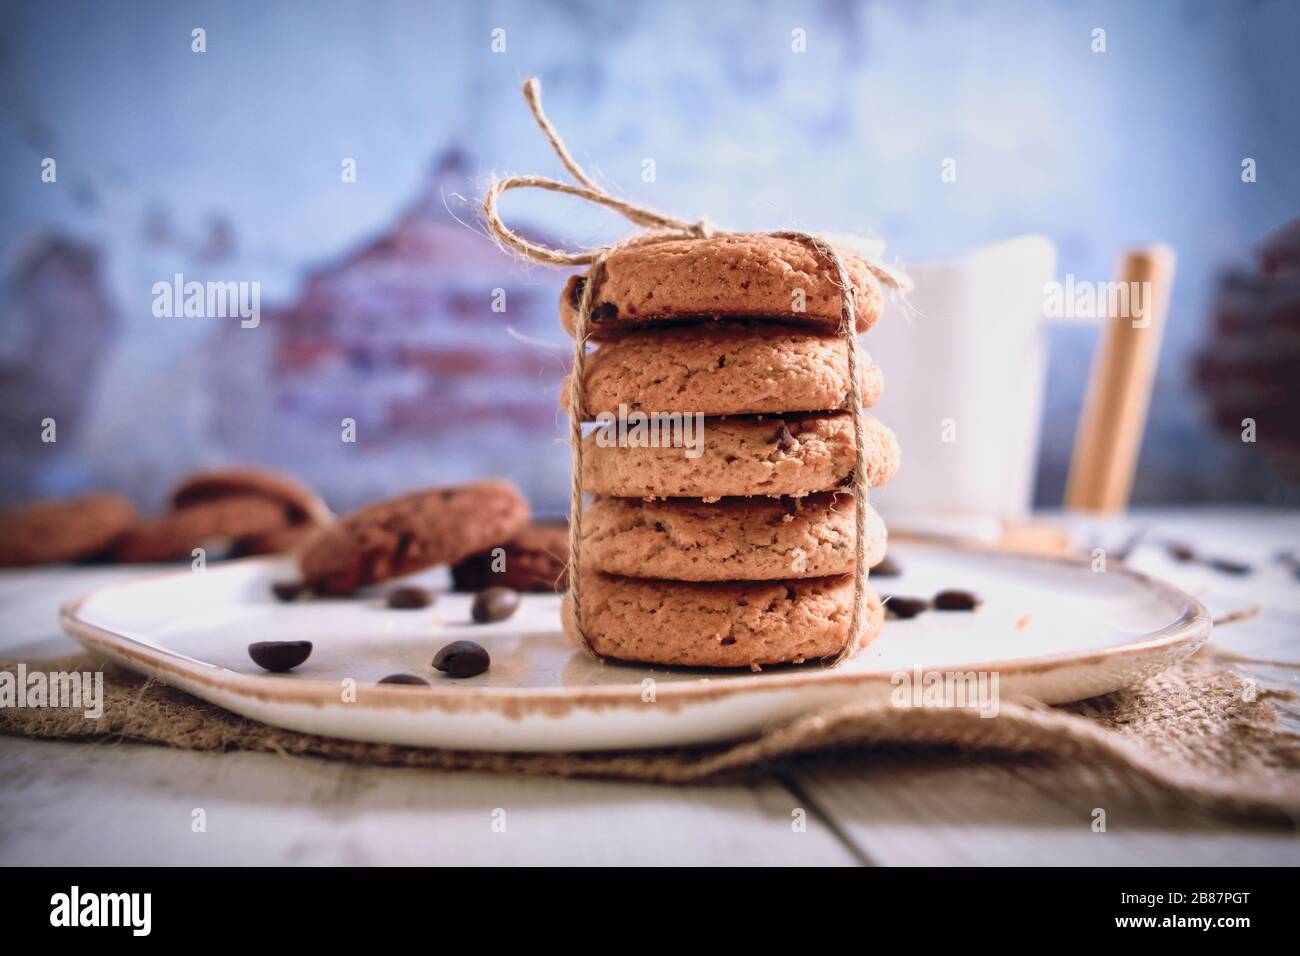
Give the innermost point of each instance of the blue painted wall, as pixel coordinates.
(226, 165)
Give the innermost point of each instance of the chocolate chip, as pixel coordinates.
(1226, 566)
(887, 568)
(784, 440)
(575, 293)
(279, 656)
(953, 600)
(462, 659)
(604, 312)
(905, 607)
(409, 597)
(404, 679)
(288, 590)
(494, 604)
(1180, 552)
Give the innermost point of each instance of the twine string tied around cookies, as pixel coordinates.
(659, 227)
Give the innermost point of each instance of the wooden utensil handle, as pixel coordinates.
(1119, 390)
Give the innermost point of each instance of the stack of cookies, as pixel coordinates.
(743, 552)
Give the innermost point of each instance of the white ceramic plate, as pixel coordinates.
(1049, 629)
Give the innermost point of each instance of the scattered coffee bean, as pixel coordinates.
(494, 604)
(288, 590)
(279, 656)
(462, 659)
(1180, 552)
(410, 598)
(887, 568)
(953, 600)
(1226, 566)
(404, 679)
(905, 607)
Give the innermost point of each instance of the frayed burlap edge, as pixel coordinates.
(1199, 732)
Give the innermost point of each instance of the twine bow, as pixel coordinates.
(659, 227)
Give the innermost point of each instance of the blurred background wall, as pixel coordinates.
(376, 300)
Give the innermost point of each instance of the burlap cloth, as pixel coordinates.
(1199, 733)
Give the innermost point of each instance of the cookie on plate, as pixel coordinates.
(282, 540)
(735, 539)
(300, 502)
(533, 560)
(304, 511)
(71, 529)
(737, 276)
(760, 455)
(410, 533)
(215, 525)
(725, 369)
(718, 624)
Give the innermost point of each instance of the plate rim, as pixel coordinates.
(1188, 633)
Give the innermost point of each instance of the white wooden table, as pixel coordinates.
(112, 803)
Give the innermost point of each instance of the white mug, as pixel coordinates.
(964, 371)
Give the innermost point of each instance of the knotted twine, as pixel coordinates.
(660, 227)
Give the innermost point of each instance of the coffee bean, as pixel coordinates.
(288, 590)
(462, 659)
(1226, 566)
(1180, 552)
(887, 568)
(279, 656)
(410, 598)
(953, 600)
(404, 679)
(494, 604)
(904, 608)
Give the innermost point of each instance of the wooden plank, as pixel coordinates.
(948, 811)
(79, 804)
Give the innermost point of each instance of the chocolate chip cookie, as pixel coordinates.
(725, 369)
(743, 456)
(304, 511)
(215, 525)
(533, 560)
(300, 502)
(47, 532)
(735, 539)
(723, 624)
(724, 277)
(413, 532)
